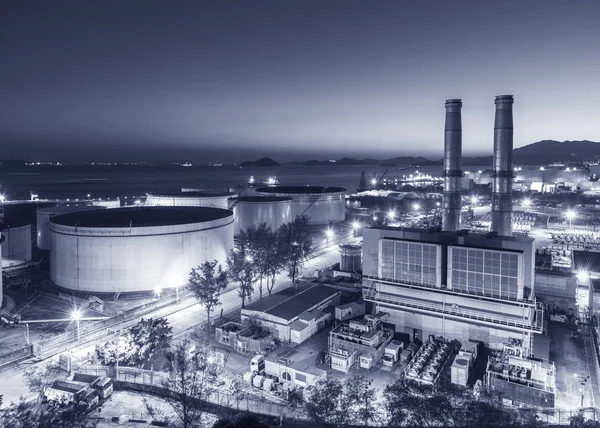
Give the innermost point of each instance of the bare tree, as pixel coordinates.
(189, 384)
(207, 281)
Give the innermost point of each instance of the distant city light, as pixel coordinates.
(374, 218)
(541, 168)
(467, 172)
(88, 195)
(479, 172)
(526, 202)
(271, 180)
(568, 169)
(251, 179)
(583, 276)
(574, 169)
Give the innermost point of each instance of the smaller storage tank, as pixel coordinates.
(254, 210)
(16, 247)
(45, 214)
(351, 258)
(190, 198)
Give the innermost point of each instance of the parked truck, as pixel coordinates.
(392, 353)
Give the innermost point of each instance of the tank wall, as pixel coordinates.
(16, 248)
(188, 201)
(321, 208)
(143, 259)
(254, 213)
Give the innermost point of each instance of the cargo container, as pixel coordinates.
(392, 353)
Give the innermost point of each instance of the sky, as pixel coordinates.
(218, 81)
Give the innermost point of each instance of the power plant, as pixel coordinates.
(452, 166)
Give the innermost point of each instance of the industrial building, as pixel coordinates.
(137, 249)
(46, 213)
(254, 210)
(294, 316)
(359, 342)
(16, 247)
(469, 287)
(323, 205)
(191, 199)
(350, 257)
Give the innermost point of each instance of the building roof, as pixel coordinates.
(141, 216)
(288, 305)
(298, 325)
(300, 189)
(87, 378)
(585, 260)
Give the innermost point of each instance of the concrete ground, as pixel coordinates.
(571, 362)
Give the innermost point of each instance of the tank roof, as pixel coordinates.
(141, 217)
(264, 199)
(196, 194)
(300, 189)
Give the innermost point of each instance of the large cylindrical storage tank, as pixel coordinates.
(16, 248)
(138, 249)
(322, 205)
(43, 221)
(254, 210)
(190, 199)
(351, 258)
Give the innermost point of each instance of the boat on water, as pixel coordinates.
(271, 181)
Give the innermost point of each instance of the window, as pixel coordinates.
(300, 377)
(411, 262)
(286, 376)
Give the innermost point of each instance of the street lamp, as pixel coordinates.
(392, 215)
(76, 315)
(88, 195)
(474, 200)
(570, 215)
(438, 204)
(249, 259)
(355, 227)
(582, 276)
(373, 182)
(329, 234)
(416, 206)
(157, 291)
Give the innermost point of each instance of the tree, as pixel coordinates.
(40, 377)
(297, 244)
(241, 268)
(31, 415)
(246, 420)
(206, 282)
(260, 238)
(138, 344)
(275, 260)
(322, 405)
(188, 383)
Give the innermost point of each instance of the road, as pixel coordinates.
(183, 317)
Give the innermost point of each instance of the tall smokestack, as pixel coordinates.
(452, 166)
(503, 166)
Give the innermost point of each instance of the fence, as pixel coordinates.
(15, 355)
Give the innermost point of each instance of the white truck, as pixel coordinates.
(392, 352)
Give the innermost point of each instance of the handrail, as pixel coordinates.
(449, 310)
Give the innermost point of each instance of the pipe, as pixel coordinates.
(503, 166)
(452, 166)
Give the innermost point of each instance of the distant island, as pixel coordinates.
(261, 162)
(539, 153)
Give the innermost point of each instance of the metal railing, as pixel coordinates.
(449, 310)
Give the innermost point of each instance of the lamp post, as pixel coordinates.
(76, 315)
(355, 227)
(329, 233)
(570, 216)
(391, 215)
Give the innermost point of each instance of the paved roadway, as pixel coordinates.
(182, 317)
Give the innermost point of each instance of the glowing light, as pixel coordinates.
(479, 172)
(570, 214)
(356, 225)
(157, 291)
(416, 206)
(271, 180)
(137, 202)
(76, 315)
(329, 233)
(249, 259)
(474, 199)
(251, 179)
(583, 276)
(88, 195)
(392, 215)
(568, 169)
(541, 168)
(2, 198)
(574, 169)
(374, 218)
(373, 181)
(467, 172)
(438, 204)
(526, 202)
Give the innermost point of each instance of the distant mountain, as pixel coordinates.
(261, 162)
(549, 151)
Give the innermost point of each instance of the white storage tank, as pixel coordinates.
(190, 199)
(16, 247)
(43, 220)
(138, 249)
(254, 210)
(323, 205)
